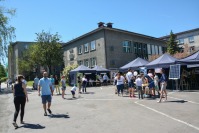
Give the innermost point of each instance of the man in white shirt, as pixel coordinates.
(129, 77)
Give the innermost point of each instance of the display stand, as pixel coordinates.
(174, 74)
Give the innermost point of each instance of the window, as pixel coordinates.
(153, 49)
(80, 50)
(181, 41)
(139, 48)
(160, 50)
(93, 45)
(149, 48)
(127, 46)
(86, 47)
(86, 63)
(191, 39)
(135, 47)
(156, 50)
(93, 62)
(144, 47)
(71, 56)
(80, 62)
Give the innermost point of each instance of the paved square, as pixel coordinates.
(101, 111)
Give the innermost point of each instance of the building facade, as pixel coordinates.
(110, 47)
(189, 37)
(15, 52)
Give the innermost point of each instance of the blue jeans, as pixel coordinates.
(120, 88)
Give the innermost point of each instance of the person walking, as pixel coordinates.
(163, 84)
(52, 82)
(57, 85)
(79, 83)
(120, 83)
(63, 86)
(20, 98)
(36, 81)
(139, 86)
(46, 92)
(84, 84)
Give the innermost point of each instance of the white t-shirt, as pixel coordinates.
(138, 82)
(129, 75)
(73, 88)
(120, 81)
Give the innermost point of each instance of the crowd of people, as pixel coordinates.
(145, 84)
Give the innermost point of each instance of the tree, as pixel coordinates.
(6, 31)
(66, 71)
(47, 51)
(172, 44)
(2, 71)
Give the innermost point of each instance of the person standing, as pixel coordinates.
(79, 83)
(120, 83)
(105, 79)
(63, 86)
(46, 92)
(163, 84)
(129, 77)
(84, 83)
(52, 82)
(57, 85)
(139, 86)
(156, 80)
(20, 98)
(36, 81)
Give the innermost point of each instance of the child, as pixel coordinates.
(139, 86)
(73, 90)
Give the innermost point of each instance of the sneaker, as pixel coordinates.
(15, 124)
(49, 111)
(158, 101)
(45, 114)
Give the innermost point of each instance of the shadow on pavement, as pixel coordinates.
(89, 93)
(32, 126)
(59, 116)
(178, 101)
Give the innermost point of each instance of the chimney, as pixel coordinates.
(109, 25)
(100, 24)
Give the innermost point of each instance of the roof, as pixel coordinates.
(138, 62)
(112, 29)
(163, 61)
(180, 33)
(82, 68)
(100, 69)
(191, 59)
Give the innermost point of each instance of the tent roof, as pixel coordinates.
(163, 61)
(194, 56)
(82, 68)
(100, 69)
(138, 62)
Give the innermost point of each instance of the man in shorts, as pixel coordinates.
(129, 77)
(163, 84)
(45, 90)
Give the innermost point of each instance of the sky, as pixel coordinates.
(73, 18)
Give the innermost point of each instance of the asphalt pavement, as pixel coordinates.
(100, 110)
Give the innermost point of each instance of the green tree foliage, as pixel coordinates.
(2, 71)
(6, 30)
(172, 44)
(67, 70)
(46, 52)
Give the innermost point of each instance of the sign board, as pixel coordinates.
(174, 72)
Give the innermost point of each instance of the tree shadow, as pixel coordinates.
(177, 101)
(59, 116)
(32, 126)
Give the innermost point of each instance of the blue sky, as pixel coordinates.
(72, 18)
